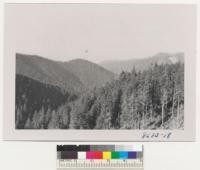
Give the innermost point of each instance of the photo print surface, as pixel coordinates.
(79, 94)
(90, 90)
(101, 66)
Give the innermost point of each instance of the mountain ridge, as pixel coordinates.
(75, 75)
(117, 66)
(46, 71)
(91, 74)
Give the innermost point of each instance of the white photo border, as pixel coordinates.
(10, 133)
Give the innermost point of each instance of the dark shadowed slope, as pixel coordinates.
(142, 64)
(90, 74)
(34, 97)
(47, 71)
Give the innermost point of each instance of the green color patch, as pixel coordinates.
(115, 155)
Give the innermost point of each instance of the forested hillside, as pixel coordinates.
(35, 102)
(148, 99)
(43, 85)
(152, 99)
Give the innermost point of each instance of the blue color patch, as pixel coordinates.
(132, 155)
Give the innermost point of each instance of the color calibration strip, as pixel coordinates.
(99, 156)
(99, 152)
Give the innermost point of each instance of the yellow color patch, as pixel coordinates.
(106, 155)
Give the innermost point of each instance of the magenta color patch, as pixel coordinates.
(89, 155)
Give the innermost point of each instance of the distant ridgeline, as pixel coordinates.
(83, 95)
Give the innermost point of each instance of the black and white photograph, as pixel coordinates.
(143, 93)
(101, 66)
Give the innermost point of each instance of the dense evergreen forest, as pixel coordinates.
(35, 102)
(148, 99)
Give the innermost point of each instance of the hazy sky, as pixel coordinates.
(100, 32)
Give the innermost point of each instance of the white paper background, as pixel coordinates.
(42, 155)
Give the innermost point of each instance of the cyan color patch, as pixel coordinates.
(123, 155)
